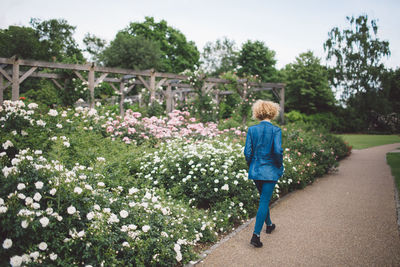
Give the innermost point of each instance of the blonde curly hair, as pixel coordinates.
(265, 110)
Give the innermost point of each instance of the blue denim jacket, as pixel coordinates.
(263, 152)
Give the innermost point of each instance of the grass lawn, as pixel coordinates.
(393, 159)
(360, 141)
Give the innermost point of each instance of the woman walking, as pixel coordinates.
(264, 156)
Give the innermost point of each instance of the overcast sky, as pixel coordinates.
(287, 27)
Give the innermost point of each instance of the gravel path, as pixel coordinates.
(346, 218)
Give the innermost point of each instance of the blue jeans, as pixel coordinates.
(265, 188)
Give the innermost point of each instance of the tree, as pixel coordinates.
(56, 36)
(356, 53)
(132, 52)
(307, 85)
(219, 57)
(177, 54)
(22, 42)
(255, 58)
(94, 46)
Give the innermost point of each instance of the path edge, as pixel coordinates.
(205, 253)
(396, 192)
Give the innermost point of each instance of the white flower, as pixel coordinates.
(1, 201)
(53, 191)
(133, 190)
(39, 185)
(42, 246)
(3, 209)
(28, 201)
(40, 123)
(177, 249)
(215, 189)
(38, 152)
(44, 221)
(100, 159)
(101, 184)
(24, 224)
(21, 196)
(123, 213)
(23, 133)
(71, 210)
(125, 244)
(81, 233)
(32, 106)
(36, 206)
(34, 255)
(78, 190)
(16, 261)
(15, 161)
(66, 144)
(53, 256)
(225, 187)
(58, 125)
(2, 154)
(96, 207)
(88, 187)
(53, 112)
(21, 186)
(145, 228)
(37, 197)
(216, 181)
(7, 243)
(7, 144)
(90, 215)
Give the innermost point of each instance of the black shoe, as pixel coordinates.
(255, 241)
(270, 228)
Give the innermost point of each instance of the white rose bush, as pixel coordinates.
(87, 187)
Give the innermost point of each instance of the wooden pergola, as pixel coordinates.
(171, 84)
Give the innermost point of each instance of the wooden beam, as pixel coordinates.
(101, 79)
(282, 105)
(80, 77)
(115, 88)
(5, 74)
(57, 84)
(1, 89)
(15, 81)
(91, 86)
(121, 101)
(27, 74)
(144, 82)
(160, 83)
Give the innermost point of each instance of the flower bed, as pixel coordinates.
(85, 187)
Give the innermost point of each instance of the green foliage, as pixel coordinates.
(47, 94)
(356, 52)
(132, 52)
(22, 42)
(393, 159)
(219, 57)
(56, 35)
(307, 87)
(94, 46)
(76, 196)
(361, 141)
(255, 58)
(177, 54)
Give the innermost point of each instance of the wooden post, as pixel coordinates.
(1, 89)
(152, 86)
(170, 99)
(91, 86)
(15, 81)
(282, 104)
(121, 101)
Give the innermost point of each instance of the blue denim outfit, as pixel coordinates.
(264, 156)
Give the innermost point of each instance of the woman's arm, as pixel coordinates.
(248, 150)
(278, 151)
